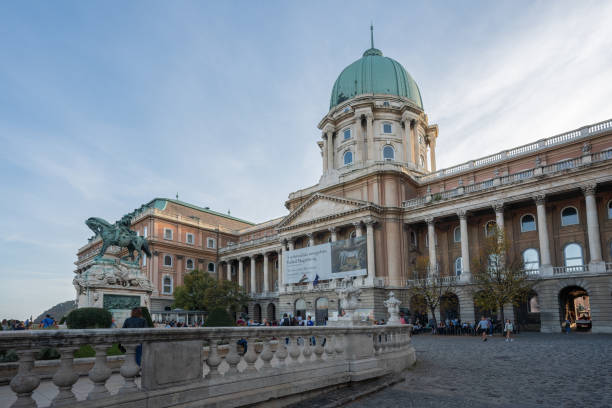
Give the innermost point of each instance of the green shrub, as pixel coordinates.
(48, 353)
(89, 318)
(88, 351)
(8, 356)
(147, 316)
(218, 318)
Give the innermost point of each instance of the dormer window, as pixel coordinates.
(347, 134)
(387, 128)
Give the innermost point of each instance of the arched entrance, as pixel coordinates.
(574, 306)
(418, 310)
(449, 306)
(257, 313)
(271, 312)
(300, 308)
(527, 314)
(321, 310)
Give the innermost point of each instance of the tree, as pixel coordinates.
(428, 287)
(499, 280)
(201, 291)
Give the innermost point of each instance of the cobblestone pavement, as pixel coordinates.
(535, 370)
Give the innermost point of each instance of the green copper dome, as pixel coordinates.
(374, 74)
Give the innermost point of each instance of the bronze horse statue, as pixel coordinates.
(119, 235)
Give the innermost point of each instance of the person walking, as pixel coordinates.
(568, 326)
(135, 321)
(482, 327)
(508, 327)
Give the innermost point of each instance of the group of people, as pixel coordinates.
(12, 324)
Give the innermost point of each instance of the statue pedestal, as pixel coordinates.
(115, 285)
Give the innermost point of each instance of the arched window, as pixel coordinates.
(457, 234)
(347, 134)
(167, 260)
(528, 223)
(531, 259)
(458, 266)
(388, 153)
(569, 216)
(211, 267)
(422, 161)
(348, 158)
(610, 209)
(189, 264)
(167, 285)
(572, 255)
(490, 228)
(353, 234)
(387, 128)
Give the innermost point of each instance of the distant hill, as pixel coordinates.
(58, 311)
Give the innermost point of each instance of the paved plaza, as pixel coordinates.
(536, 370)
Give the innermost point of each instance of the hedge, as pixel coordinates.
(218, 318)
(89, 318)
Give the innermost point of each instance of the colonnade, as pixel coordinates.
(545, 267)
(252, 257)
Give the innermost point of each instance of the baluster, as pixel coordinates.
(318, 350)
(294, 350)
(266, 355)
(383, 342)
(307, 349)
(281, 352)
(250, 357)
(64, 378)
(329, 347)
(129, 369)
(25, 382)
(213, 359)
(99, 373)
(338, 344)
(376, 341)
(232, 358)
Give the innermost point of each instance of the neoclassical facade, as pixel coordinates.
(553, 198)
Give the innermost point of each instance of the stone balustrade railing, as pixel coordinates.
(509, 179)
(570, 270)
(231, 366)
(570, 136)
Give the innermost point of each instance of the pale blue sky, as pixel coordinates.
(106, 105)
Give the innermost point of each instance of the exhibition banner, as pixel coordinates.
(329, 261)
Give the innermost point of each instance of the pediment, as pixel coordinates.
(321, 206)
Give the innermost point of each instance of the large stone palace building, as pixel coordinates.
(553, 198)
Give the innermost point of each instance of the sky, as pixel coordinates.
(107, 105)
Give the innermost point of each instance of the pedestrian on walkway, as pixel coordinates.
(568, 326)
(136, 322)
(482, 327)
(508, 327)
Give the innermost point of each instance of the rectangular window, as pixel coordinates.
(210, 243)
(347, 134)
(387, 128)
(144, 259)
(189, 238)
(144, 232)
(167, 233)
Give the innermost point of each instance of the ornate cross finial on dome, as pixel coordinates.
(372, 50)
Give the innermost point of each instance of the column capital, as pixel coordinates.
(279, 251)
(498, 206)
(369, 222)
(356, 224)
(588, 189)
(264, 254)
(462, 214)
(429, 220)
(309, 235)
(332, 229)
(540, 199)
(328, 128)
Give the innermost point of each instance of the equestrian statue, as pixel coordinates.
(120, 235)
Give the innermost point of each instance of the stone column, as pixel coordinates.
(253, 280)
(406, 140)
(545, 262)
(279, 253)
(415, 142)
(465, 246)
(310, 236)
(240, 272)
(329, 132)
(325, 153)
(499, 214)
(431, 237)
(228, 272)
(593, 228)
(370, 136)
(370, 250)
(358, 231)
(359, 153)
(266, 286)
(291, 244)
(334, 234)
(432, 154)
